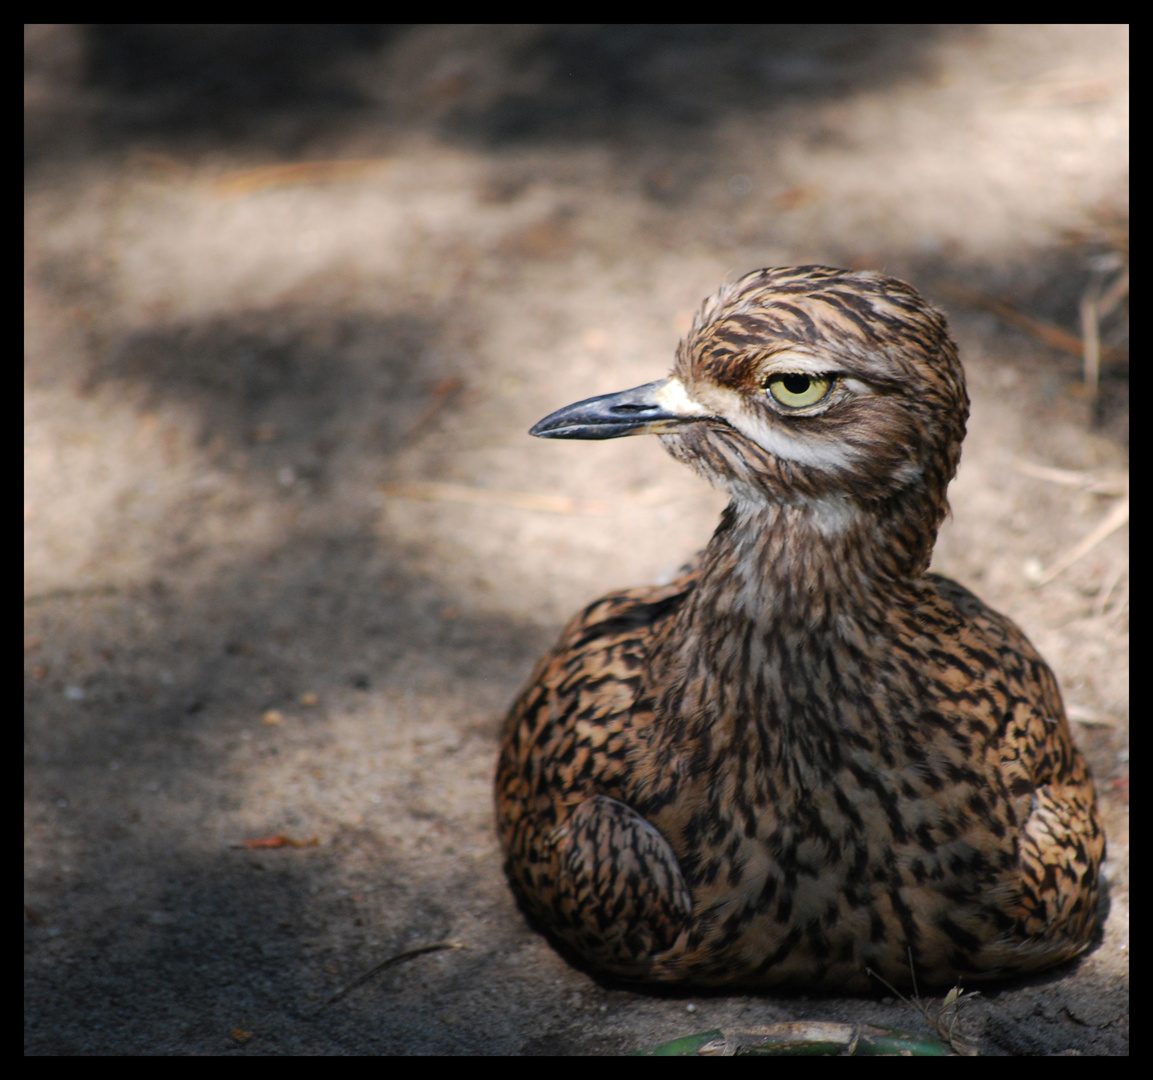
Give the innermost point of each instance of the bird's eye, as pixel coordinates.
(796, 390)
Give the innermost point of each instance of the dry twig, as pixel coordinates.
(1097, 482)
(522, 500)
(392, 961)
(293, 174)
(1114, 520)
(1055, 337)
(947, 1015)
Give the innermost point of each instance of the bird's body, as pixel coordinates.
(806, 758)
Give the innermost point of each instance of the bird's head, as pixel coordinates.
(834, 391)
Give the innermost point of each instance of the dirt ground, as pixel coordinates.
(293, 297)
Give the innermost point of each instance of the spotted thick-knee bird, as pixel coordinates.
(807, 758)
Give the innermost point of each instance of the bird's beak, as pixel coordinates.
(653, 408)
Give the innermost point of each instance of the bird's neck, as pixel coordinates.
(791, 607)
(782, 592)
(802, 567)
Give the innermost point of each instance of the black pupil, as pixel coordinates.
(796, 384)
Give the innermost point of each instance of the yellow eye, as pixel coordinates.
(797, 389)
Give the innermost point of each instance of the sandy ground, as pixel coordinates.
(275, 279)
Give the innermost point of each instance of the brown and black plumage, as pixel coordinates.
(807, 756)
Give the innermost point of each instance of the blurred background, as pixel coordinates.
(292, 298)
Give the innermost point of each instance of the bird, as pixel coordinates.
(806, 763)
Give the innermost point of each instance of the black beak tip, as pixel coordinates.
(631, 412)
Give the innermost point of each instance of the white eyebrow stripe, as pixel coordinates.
(810, 451)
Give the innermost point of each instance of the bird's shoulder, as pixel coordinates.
(995, 675)
(582, 699)
(627, 617)
(987, 641)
